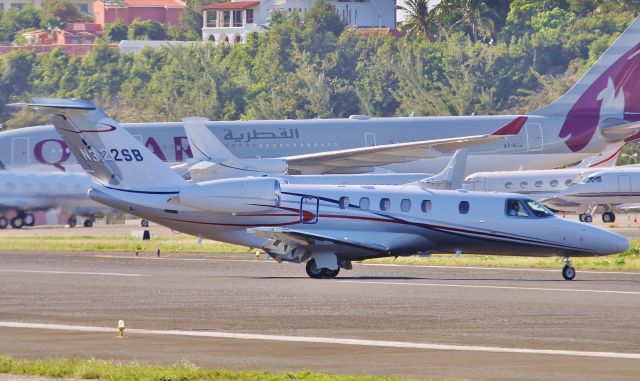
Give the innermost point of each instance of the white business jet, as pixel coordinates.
(611, 189)
(327, 226)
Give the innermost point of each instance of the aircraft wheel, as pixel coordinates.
(313, 271)
(581, 217)
(17, 222)
(608, 217)
(29, 219)
(72, 221)
(88, 223)
(4, 222)
(588, 219)
(568, 272)
(144, 223)
(330, 273)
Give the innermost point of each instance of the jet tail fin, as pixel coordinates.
(104, 149)
(204, 145)
(452, 176)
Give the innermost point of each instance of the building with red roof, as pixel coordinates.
(231, 21)
(162, 11)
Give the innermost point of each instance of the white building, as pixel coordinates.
(230, 22)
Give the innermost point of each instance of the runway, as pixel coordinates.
(235, 312)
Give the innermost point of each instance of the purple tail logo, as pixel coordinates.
(614, 95)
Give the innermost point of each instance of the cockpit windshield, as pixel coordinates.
(593, 179)
(526, 208)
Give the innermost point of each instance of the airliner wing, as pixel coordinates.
(400, 152)
(617, 129)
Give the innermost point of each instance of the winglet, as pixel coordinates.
(511, 128)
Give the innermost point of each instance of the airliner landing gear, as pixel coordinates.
(568, 272)
(72, 221)
(89, 222)
(608, 217)
(3, 222)
(585, 218)
(317, 273)
(29, 219)
(17, 222)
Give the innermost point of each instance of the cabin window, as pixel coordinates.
(344, 202)
(364, 203)
(568, 182)
(516, 208)
(508, 185)
(593, 179)
(554, 183)
(524, 184)
(405, 205)
(385, 204)
(539, 210)
(463, 207)
(538, 184)
(426, 206)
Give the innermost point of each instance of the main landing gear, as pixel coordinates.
(608, 217)
(22, 219)
(4, 222)
(568, 272)
(318, 273)
(586, 218)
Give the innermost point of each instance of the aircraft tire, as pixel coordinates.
(313, 271)
(608, 217)
(88, 223)
(568, 272)
(144, 223)
(327, 273)
(29, 219)
(581, 217)
(588, 219)
(72, 222)
(17, 222)
(3, 223)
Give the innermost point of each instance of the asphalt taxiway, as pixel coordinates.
(235, 312)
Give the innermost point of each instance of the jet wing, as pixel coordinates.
(618, 129)
(283, 241)
(400, 152)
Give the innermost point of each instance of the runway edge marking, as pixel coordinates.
(322, 340)
(69, 272)
(490, 287)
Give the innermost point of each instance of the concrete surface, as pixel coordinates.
(470, 311)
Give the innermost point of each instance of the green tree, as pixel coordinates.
(57, 13)
(419, 20)
(478, 19)
(146, 30)
(116, 31)
(14, 20)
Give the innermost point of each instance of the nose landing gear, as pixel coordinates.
(568, 272)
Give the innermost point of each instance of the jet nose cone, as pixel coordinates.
(613, 243)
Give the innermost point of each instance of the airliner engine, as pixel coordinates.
(246, 195)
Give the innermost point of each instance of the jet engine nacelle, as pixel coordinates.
(246, 195)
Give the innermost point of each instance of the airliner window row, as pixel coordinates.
(537, 184)
(282, 145)
(385, 204)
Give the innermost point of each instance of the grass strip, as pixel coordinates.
(169, 244)
(627, 261)
(117, 371)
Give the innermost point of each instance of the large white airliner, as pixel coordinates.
(601, 110)
(326, 225)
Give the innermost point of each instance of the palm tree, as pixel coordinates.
(478, 17)
(419, 20)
